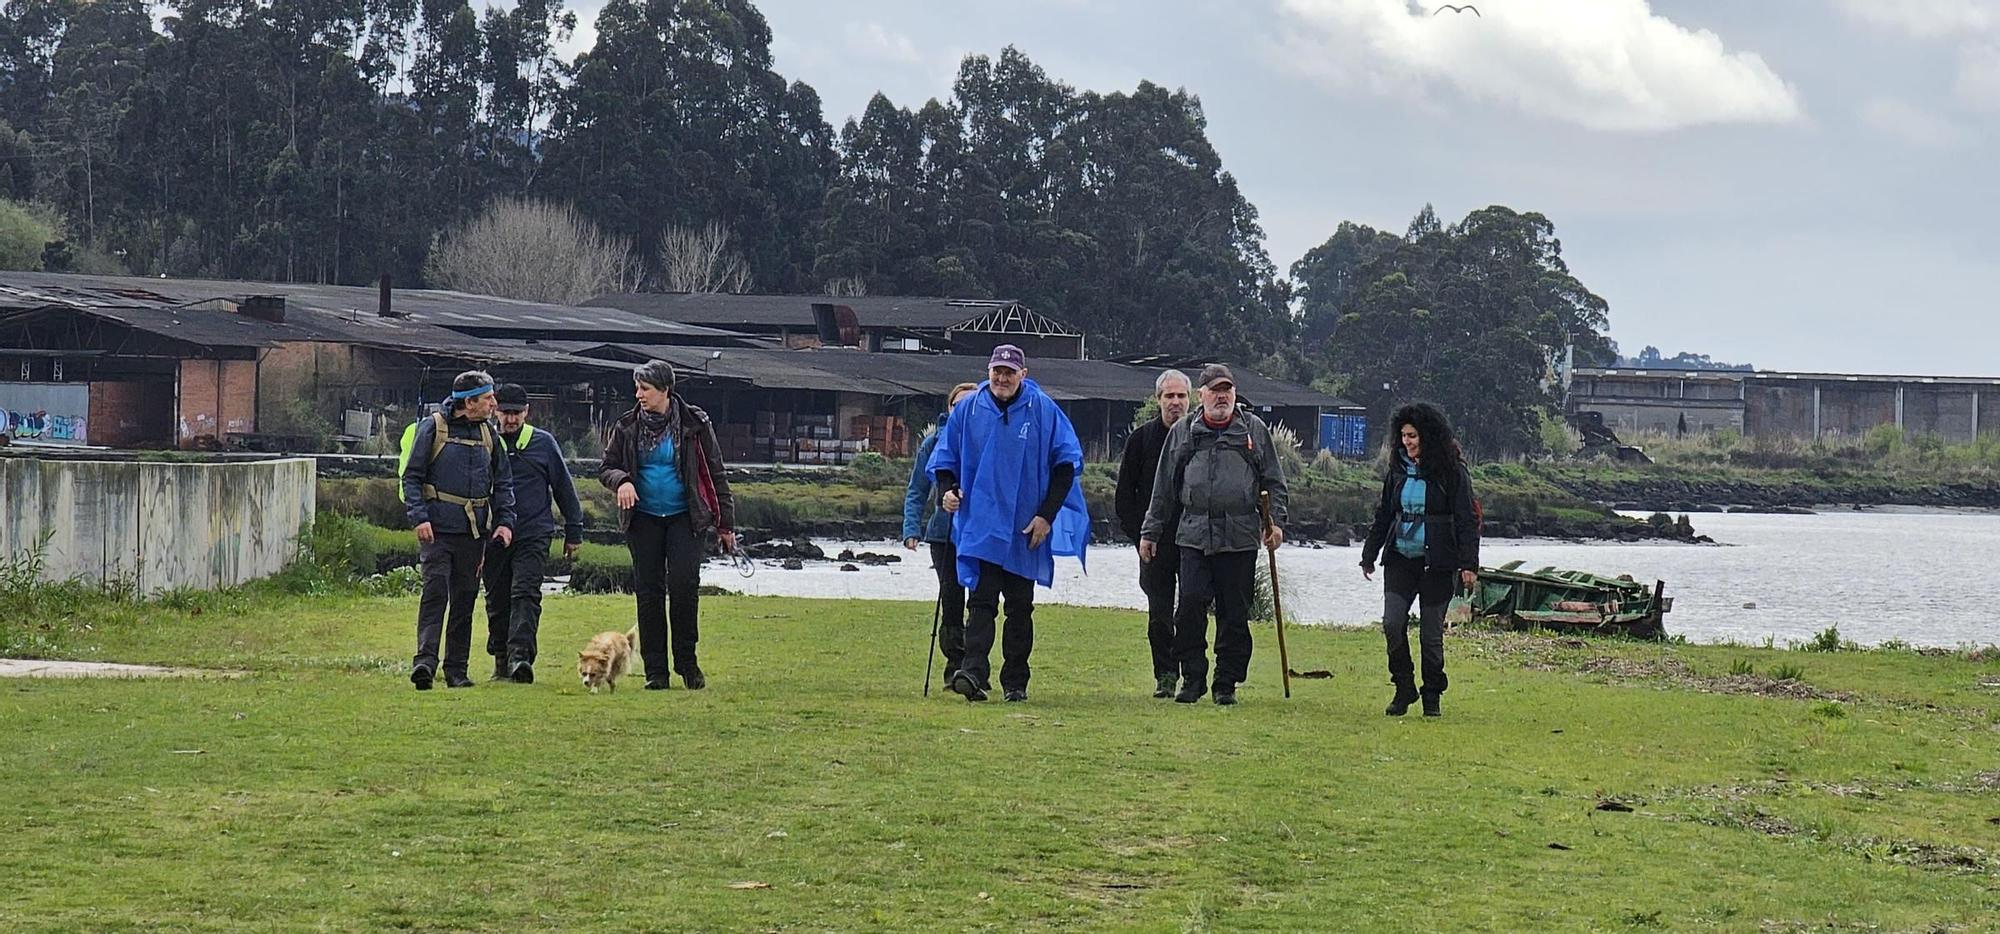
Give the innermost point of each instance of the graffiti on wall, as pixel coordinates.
(51, 412)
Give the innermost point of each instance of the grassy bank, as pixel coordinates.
(1886, 467)
(812, 788)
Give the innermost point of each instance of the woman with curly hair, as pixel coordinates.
(1427, 532)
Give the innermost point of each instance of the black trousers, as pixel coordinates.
(1158, 580)
(1406, 581)
(451, 581)
(514, 598)
(666, 576)
(1227, 579)
(951, 605)
(1017, 640)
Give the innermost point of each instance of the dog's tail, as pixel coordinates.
(632, 636)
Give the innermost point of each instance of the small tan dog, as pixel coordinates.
(608, 657)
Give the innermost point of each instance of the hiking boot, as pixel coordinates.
(523, 673)
(1431, 706)
(1163, 686)
(421, 677)
(457, 679)
(694, 679)
(1017, 695)
(1406, 694)
(1225, 695)
(1189, 693)
(501, 670)
(965, 685)
(658, 684)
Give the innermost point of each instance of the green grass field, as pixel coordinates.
(812, 788)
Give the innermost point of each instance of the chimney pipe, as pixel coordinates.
(382, 303)
(264, 308)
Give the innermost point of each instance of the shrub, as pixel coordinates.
(1787, 672)
(1742, 666)
(1827, 640)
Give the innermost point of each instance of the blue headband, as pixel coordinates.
(474, 391)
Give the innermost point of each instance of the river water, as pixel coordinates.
(1920, 577)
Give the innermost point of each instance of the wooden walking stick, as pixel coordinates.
(1277, 605)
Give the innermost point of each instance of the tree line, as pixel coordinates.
(338, 140)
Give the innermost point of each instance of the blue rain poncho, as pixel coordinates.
(1003, 461)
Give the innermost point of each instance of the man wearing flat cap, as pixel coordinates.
(1215, 464)
(458, 491)
(1010, 468)
(542, 485)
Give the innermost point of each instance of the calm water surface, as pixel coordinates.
(1919, 577)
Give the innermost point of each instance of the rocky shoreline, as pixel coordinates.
(1781, 496)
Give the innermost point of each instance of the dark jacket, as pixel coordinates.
(697, 457)
(542, 485)
(919, 501)
(1207, 484)
(1451, 530)
(462, 469)
(1135, 477)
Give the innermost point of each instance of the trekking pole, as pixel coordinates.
(930, 650)
(1277, 605)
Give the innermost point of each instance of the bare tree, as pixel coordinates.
(846, 287)
(534, 251)
(704, 261)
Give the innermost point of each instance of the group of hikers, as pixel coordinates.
(996, 492)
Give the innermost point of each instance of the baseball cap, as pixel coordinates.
(1215, 373)
(1009, 356)
(513, 397)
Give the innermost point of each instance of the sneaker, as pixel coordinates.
(1164, 685)
(964, 684)
(1017, 695)
(694, 679)
(1431, 706)
(421, 677)
(1189, 693)
(1225, 697)
(658, 684)
(457, 680)
(523, 673)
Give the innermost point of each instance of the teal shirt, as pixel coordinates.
(1409, 530)
(661, 492)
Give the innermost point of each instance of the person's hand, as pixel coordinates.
(728, 540)
(949, 501)
(1273, 537)
(503, 535)
(1468, 578)
(569, 549)
(1367, 571)
(628, 496)
(1147, 550)
(424, 533)
(910, 543)
(1037, 532)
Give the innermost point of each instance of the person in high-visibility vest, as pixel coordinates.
(457, 491)
(542, 485)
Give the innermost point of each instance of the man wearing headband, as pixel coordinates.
(457, 490)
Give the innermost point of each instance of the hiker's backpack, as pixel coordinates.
(439, 439)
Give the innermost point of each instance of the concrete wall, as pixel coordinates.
(161, 526)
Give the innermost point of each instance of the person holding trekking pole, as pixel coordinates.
(1215, 465)
(1426, 529)
(922, 518)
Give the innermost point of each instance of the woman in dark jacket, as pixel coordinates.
(1427, 525)
(920, 514)
(662, 461)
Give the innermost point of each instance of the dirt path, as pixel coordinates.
(40, 668)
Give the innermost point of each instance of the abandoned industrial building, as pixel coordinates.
(180, 363)
(1798, 405)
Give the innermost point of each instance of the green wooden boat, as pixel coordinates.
(1549, 598)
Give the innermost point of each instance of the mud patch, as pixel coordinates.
(42, 668)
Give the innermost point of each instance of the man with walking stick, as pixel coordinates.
(1212, 473)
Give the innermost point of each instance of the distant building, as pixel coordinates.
(1800, 405)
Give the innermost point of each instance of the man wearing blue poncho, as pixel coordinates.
(1010, 468)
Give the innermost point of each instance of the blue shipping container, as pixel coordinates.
(1344, 435)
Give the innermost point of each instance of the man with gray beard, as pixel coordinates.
(1159, 577)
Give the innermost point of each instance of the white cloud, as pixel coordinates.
(1978, 83)
(1903, 121)
(1926, 19)
(1603, 64)
(879, 43)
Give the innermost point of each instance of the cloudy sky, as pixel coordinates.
(1798, 184)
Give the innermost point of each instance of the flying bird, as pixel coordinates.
(1457, 9)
